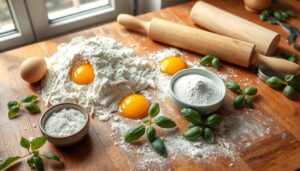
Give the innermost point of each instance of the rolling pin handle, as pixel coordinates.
(276, 64)
(133, 23)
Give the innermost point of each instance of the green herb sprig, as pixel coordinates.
(28, 102)
(244, 98)
(138, 131)
(290, 83)
(210, 60)
(34, 160)
(289, 56)
(277, 15)
(200, 126)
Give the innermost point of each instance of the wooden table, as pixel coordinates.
(278, 148)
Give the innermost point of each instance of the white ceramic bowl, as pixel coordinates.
(203, 109)
(70, 139)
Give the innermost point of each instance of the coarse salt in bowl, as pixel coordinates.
(199, 89)
(64, 125)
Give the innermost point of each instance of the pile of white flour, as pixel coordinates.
(118, 73)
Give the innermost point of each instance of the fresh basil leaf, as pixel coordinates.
(154, 110)
(164, 122)
(289, 78)
(51, 156)
(263, 17)
(192, 116)
(250, 91)
(151, 133)
(233, 86)
(38, 143)
(289, 92)
(216, 63)
(238, 101)
(30, 162)
(134, 133)
(13, 111)
(290, 13)
(38, 163)
(248, 101)
(213, 120)
(32, 107)
(159, 146)
(209, 136)
(193, 133)
(8, 162)
(293, 59)
(12, 103)
(191, 125)
(25, 143)
(274, 82)
(206, 60)
(30, 98)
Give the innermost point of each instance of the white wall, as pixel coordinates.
(144, 6)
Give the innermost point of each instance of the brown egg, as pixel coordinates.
(257, 5)
(33, 69)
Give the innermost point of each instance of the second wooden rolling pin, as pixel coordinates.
(204, 42)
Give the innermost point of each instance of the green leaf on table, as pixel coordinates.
(193, 133)
(30, 98)
(248, 101)
(213, 120)
(274, 82)
(233, 86)
(216, 63)
(192, 116)
(289, 78)
(164, 122)
(206, 60)
(238, 101)
(32, 107)
(151, 133)
(12, 103)
(25, 143)
(134, 133)
(13, 111)
(290, 13)
(8, 162)
(38, 163)
(159, 146)
(209, 136)
(51, 156)
(30, 162)
(38, 143)
(154, 110)
(250, 91)
(289, 92)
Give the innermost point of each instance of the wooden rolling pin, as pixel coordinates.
(204, 42)
(227, 24)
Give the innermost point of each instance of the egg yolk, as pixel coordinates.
(83, 74)
(172, 64)
(134, 106)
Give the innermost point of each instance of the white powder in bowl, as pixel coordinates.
(64, 122)
(196, 89)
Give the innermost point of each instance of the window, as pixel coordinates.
(24, 21)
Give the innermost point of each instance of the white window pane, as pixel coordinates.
(6, 21)
(64, 8)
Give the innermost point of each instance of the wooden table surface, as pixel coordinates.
(277, 118)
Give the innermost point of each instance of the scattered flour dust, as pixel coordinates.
(118, 73)
(64, 122)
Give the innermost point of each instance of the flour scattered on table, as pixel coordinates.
(118, 73)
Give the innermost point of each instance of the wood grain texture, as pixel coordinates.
(277, 150)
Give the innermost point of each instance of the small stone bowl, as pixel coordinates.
(202, 109)
(70, 139)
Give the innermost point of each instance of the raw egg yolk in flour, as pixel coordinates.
(172, 64)
(83, 74)
(134, 106)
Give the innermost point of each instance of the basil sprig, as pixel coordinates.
(244, 98)
(277, 15)
(138, 131)
(210, 60)
(289, 85)
(289, 56)
(200, 126)
(28, 102)
(35, 160)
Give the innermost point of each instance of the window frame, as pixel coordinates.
(43, 28)
(23, 32)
